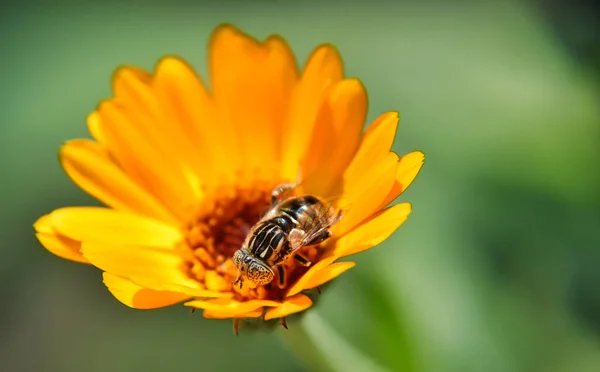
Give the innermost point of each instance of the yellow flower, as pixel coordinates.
(184, 172)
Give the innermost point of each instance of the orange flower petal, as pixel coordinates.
(44, 225)
(289, 306)
(103, 225)
(155, 269)
(328, 273)
(97, 125)
(154, 106)
(365, 196)
(154, 121)
(91, 168)
(62, 247)
(193, 121)
(143, 152)
(55, 243)
(94, 126)
(409, 166)
(373, 231)
(252, 84)
(215, 282)
(196, 291)
(122, 87)
(305, 279)
(138, 297)
(228, 308)
(339, 121)
(208, 314)
(323, 68)
(375, 146)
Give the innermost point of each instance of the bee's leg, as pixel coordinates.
(318, 289)
(319, 238)
(236, 326)
(279, 192)
(240, 281)
(302, 260)
(282, 278)
(283, 322)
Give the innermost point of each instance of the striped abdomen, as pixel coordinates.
(269, 241)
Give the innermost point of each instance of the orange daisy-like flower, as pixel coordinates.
(186, 172)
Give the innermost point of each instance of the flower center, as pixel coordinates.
(214, 236)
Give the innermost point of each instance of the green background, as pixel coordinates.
(495, 270)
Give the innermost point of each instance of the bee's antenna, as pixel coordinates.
(284, 323)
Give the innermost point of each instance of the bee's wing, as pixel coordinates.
(333, 209)
(328, 214)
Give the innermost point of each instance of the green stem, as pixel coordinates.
(321, 347)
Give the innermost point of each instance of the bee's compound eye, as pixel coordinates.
(238, 258)
(259, 273)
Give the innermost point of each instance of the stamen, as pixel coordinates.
(205, 257)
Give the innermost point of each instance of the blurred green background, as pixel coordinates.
(497, 269)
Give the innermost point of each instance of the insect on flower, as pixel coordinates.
(187, 174)
(294, 222)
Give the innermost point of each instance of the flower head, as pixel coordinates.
(186, 172)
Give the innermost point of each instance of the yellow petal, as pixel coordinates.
(409, 166)
(133, 137)
(305, 279)
(121, 87)
(373, 231)
(328, 273)
(228, 308)
(375, 146)
(95, 128)
(139, 297)
(140, 105)
(158, 123)
(208, 314)
(323, 68)
(103, 225)
(215, 282)
(290, 306)
(339, 121)
(365, 196)
(62, 247)
(44, 225)
(99, 123)
(252, 84)
(192, 119)
(147, 267)
(91, 168)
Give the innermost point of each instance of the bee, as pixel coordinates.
(293, 222)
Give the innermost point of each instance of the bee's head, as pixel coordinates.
(251, 268)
